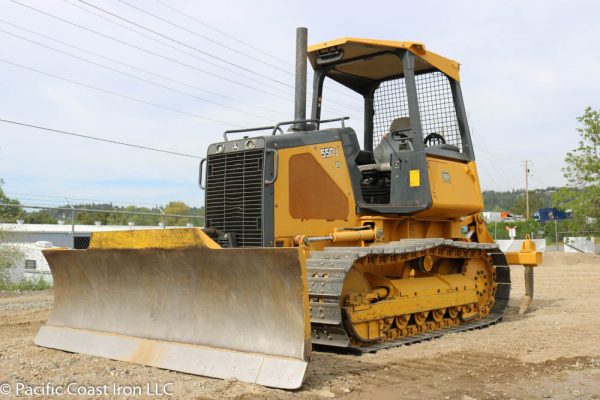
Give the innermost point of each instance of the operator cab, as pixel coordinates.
(413, 111)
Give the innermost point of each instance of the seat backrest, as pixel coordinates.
(400, 124)
(384, 150)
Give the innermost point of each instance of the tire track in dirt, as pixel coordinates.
(479, 375)
(553, 350)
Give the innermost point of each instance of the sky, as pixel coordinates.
(177, 79)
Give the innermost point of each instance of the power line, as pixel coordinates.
(63, 198)
(496, 164)
(157, 54)
(40, 201)
(199, 35)
(137, 68)
(132, 76)
(58, 131)
(124, 96)
(166, 44)
(206, 61)
(484, 150)
(542, 183)
(206, 53)
(487, 172)
(71, 209)
(149, 51)
(239, 41)
(223, 33)
(125, 73)
(506, 157)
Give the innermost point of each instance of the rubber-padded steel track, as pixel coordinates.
(327, 269)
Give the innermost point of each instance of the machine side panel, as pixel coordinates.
(455, 189)
(321, 170)
(306, 174)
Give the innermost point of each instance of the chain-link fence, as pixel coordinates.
(72, 227)
(577, 242)
(554, 232)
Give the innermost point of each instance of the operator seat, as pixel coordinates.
(382, 153)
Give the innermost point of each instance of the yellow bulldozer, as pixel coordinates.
(310, 239)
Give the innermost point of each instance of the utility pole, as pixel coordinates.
(556, 233)
(73, 213)
(526, 189)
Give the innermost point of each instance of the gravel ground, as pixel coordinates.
(551, 352)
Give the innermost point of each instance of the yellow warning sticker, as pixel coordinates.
(415, 178)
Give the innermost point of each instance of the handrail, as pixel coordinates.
(277, 127)
(275, 166)
(317, 121)
(261, 128)
(200, 174)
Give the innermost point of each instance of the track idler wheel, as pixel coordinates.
(402, 321)
(386, 324)
(454, 311)
(420, 317)
(469, 312)
(423, 264)
(438, 315)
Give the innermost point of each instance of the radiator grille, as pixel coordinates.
(234, 195)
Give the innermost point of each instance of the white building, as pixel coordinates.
(492, 216)
(70, 236)
(28, 241)
(579, 245)
(29, 262)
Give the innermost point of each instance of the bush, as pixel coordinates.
(26, 284)
(9, 256)
(539, 230)
(523, 228)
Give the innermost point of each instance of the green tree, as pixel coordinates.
(9, 256)
(8, 213)
(529, 227)
(39, 217)
(582, 196)
(88, 218)
(535, 203)
(179, 208)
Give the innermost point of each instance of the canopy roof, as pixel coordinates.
(382, 65)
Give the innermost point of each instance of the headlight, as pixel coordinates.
(250, 144)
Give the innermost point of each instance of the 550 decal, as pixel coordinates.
(327, 152)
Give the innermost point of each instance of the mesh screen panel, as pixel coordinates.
(389, 102)
(436, 107)
(81, 242)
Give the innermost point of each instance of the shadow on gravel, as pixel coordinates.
(326, 367)
(512, 311)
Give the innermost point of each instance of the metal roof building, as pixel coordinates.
(72, 236)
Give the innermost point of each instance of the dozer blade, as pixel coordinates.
(223, 313)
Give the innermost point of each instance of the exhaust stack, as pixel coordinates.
(300, 98)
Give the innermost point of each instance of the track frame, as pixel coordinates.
(327, 269)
